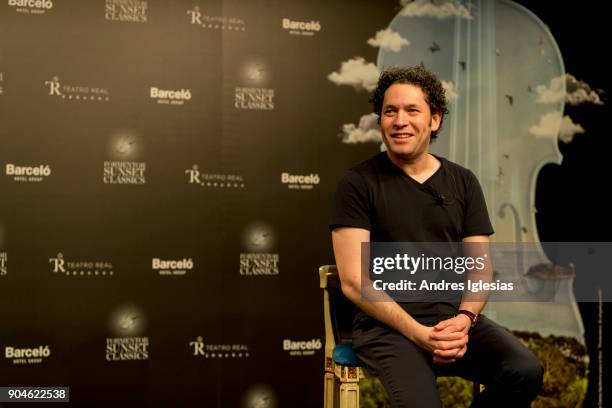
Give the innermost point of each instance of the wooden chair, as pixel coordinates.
(343, 369)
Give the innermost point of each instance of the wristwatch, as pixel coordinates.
(473, 317)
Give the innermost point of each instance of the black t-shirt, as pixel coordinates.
(378, 196)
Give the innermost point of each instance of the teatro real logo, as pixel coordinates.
(129, 11)
(127, 323)
(3, 263)
(208, 350)
(213, 180)
(255, 94)
(125, 148)
(259, 259)
(76, 93)
(31, 6)
(199, 18)
(60, 265)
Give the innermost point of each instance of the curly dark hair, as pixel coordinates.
(416, 75)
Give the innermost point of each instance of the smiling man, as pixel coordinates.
(407, 194)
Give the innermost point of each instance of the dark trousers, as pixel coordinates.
(512, 375)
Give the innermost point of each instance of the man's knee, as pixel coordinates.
(527, 374)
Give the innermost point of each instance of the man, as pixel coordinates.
(407, 194)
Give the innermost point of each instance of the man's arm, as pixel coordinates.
(347, 250)
(475, 246)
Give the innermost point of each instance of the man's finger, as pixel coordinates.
(449, 327)
(462, 352)
(446, 336)
(442, 325)
(449, 345)
(455, 353)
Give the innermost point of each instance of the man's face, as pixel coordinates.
(406, 121)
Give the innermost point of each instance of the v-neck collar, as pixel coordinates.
(412, 180)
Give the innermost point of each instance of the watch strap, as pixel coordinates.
(473, 317)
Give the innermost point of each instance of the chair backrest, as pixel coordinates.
(338, 309)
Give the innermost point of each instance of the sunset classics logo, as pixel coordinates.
(259, 240)
(128, 11)
(259, 396)
(255, 74)
(127, 323)
(125, 148)
(76, 93)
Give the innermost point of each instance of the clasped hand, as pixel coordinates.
(446, 341)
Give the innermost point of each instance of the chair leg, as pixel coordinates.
(349, 395)
(330, 384)
(476, 389)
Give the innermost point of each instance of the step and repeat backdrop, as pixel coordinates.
(167, 172)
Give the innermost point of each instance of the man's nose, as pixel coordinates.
(401, 119)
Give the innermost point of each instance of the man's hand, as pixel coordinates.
(446, 334)
(446, 345)
(458, 323)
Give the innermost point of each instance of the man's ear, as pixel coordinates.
(436, 119)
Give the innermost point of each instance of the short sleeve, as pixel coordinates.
(476, 221)
(351, 205)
